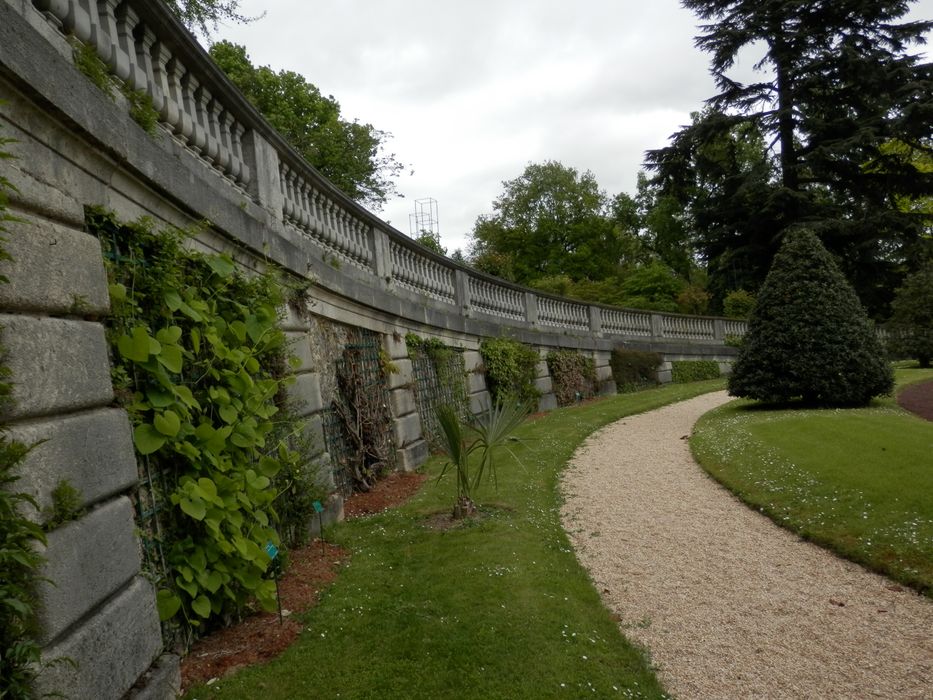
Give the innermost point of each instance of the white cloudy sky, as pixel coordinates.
(473, 91)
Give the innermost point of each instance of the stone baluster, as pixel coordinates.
(144, 43)
(54, 10)
(285, 184)
(77, 20)
(243, 173)
(223, 138)
(213, 134)
(101, 30)
(127, 19)
(227, 134)
(304, 205)
(200, 97)
(189, 90)
(182, 127)
(165, 105)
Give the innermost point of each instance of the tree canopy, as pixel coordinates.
(348, 153)
(550, 220)
(838, 83)
(205, 15)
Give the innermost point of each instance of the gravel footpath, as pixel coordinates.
(728, 604)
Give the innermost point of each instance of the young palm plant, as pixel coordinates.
(482, 435)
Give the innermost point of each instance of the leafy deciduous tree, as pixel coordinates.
(551, 220)
(911, 324)
(205, 15)
(348, 153)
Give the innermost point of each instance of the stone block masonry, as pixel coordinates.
(213, 159)
(96, 614)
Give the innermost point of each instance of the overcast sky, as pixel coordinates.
(474, 91)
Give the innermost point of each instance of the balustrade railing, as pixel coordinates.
(734, 328)
(624, 322)
(190, 105)
(688, 327)
(418, 272)
(496, 299)
(323, 219)
(563, 314)
(146, 48)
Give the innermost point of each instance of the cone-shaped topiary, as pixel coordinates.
(809, 337)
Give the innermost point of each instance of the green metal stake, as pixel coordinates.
(319, 509)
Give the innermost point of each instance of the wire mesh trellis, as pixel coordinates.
(440, 380)
(358, 424)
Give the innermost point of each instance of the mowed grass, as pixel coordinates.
(496, 607)
(857, 481)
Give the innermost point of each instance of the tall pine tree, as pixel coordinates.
(839, 83)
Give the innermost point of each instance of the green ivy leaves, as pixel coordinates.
(194, 343)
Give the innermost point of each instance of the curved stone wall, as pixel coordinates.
(213, 158)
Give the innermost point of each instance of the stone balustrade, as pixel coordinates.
(144, 46)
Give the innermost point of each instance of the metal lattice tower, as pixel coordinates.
(424, 219)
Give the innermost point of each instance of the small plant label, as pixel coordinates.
(271, 550)
(318, 508)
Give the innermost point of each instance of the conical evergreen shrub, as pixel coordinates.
(809, 337)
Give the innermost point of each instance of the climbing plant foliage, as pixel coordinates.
(511, 369)
(573, 376)
(440, 380)
(199, 363)
(19, 560)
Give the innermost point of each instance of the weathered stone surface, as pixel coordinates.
(402, 402)
(161, 682)
(86, 561)
(53, 269)
(314, 433)
(479, 402)
(608, 388)
(412, 456)
(547, 402)
(295, 320)
(603, 373)
(300, 347)
(544, 384)
(407, 429)
(404, 374)
(472, 360)
(57, 365)
(664, 373)
(91, 451)
(476, 381)
(395, 346)
(306, 393)
(109, 651)
(541, 369)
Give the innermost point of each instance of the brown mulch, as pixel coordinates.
(396, 488)
(260, 637)
(918, 399)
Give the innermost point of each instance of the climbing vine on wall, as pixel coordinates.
(573, 376)
(200, 365)
(360, 425)
(440, 380)
(511, 370)
(19, 560)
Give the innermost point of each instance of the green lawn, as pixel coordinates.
(858, 481)
(494, 608)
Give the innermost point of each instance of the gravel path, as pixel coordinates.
(728, 604)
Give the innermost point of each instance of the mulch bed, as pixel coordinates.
(260, 637)
(918, 399)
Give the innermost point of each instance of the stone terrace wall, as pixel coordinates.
(213, 158)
